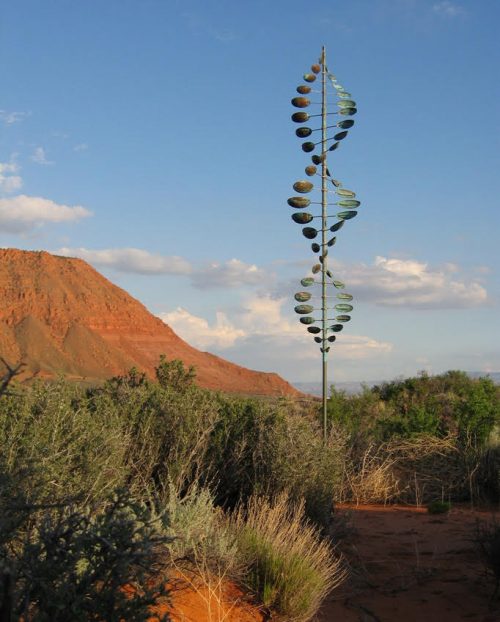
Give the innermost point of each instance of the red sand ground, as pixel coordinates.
(222, 601)
(406, 566)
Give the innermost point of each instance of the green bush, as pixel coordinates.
(439, 507)
(82, 563)
(289, 566)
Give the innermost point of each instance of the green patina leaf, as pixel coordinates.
(307, 320)
(341, 135)
(349, 203)
(344, 307)
(346, 215)
(301, 102)
(303, 186)
(343, 318)
(304, 297)
(300, 117)
(302, 218)
(308, 147)
(343, 296)
(299, 202)
(348, 111)
(336, 328)
(307, 281)
(303, 132)
(302, 309)
(309, 233)
(314, 330)
(343, 192)
(337, 225)
(345, 125)
(346, 103)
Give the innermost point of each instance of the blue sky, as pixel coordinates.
(153, 139)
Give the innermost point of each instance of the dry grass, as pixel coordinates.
(291, 567)
(416, 470)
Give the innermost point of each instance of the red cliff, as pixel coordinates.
(59, 315)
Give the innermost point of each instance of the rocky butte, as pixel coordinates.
(60, 316)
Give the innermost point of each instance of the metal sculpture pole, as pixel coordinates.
(324, 227)
(347, 107)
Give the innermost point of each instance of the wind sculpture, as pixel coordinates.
(339, 308)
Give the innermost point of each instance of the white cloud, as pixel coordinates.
(413, 284)
(222, 334)
(21, 214)
(260, 335)
(448, 9)
(12, 117)
(232, 273)
(81, 147)
(132, 260)
(8, 181)
(40, 157)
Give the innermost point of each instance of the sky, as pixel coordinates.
(153, 139)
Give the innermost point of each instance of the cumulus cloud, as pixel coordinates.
(232, 273)
(260, 333)
(414, 284)
(22, 214)
(222, 334)
(12, 117)
(9, 182)
(133, 260)
(40, 157)
(448, 9)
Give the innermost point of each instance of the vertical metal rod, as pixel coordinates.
(324, 226)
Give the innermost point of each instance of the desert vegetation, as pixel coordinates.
(115, 489)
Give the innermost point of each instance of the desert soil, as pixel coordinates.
(409, 566)
(405, 566)
(194, 600)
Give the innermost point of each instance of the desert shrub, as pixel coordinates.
(418, 439)
(167, 430)
(446, 404)
(368, 476)
(199, 532)
(70, 452)
(408, 470)
(173, 374)
(264, 448)
(439, 507)
(289, 566)
(60, 562)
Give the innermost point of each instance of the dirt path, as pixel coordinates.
(410, 566)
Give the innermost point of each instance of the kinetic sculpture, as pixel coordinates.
(321, 275)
